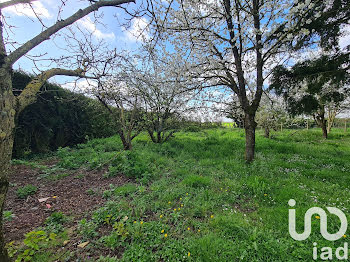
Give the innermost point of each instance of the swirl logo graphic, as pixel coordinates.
(323, 222)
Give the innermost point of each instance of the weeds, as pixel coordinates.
(28, 190)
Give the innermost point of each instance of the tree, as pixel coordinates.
(335, 108)
(324, 23)
(231, 43)
(165, 96)
(271, 114)
(123, 102)
(311, 86)
(11, 106)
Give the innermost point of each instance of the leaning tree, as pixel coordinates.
(11, 105)
(231, 43)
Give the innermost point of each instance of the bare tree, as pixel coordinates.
(10, 105)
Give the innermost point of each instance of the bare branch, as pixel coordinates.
(45, 35)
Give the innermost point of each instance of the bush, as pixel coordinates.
(28, 190)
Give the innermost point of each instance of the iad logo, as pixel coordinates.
(341, 252)
(323, 221)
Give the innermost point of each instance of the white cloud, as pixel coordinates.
(138, 30)
(35, 9)
(88, 24)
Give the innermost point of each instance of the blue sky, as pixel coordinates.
(26, 25)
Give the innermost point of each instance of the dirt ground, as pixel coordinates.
(71, 195)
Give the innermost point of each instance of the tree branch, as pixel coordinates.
(14, 2)
(28, 95)
(45, 35)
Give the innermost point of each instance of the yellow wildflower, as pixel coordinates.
(174, 209)
(188, 254)
(317, 217)
(161, 216)
(211, 216)
(199, 230)
(188, 228)
(165, 235)
(162, 231)
(344, 236)
(141, 222)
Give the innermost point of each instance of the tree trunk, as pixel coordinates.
(324, 130)
(249, 126)
(126, 142)
(331, 118)
(159, 137)
(7, 124)
(151, 135)
(345, 126)
(322, 122)
(267, 132)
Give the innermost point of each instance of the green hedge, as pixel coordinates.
(59, 118)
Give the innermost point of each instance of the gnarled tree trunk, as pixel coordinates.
(7, 120)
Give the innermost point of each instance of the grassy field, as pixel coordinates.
(194, 198)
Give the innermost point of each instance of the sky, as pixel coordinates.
(25, 25)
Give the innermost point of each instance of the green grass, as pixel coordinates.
(195, 199)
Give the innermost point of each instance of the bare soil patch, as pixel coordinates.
(74, 195)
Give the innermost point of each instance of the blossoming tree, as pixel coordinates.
(231, 43)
